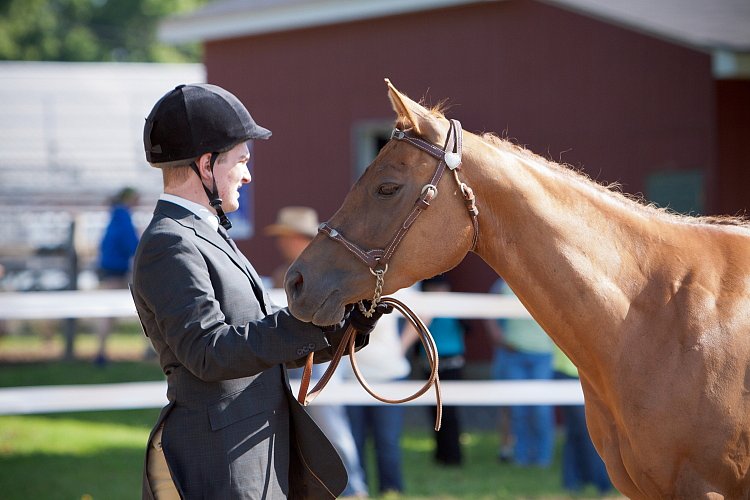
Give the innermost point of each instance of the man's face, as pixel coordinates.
(230, 172)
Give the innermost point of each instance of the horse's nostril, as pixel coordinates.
(294, 283)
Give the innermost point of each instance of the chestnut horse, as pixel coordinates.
(652, 307)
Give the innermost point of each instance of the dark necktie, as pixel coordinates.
(225, 235)
(256, 287)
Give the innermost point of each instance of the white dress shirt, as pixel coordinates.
(199, 210)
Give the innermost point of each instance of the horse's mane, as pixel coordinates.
(614, 189)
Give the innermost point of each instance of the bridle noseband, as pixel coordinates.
(448, 156)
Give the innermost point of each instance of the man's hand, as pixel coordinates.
(341, 324)
(365, 325)
(356, 319)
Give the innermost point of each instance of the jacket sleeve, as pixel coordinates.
(172, 282)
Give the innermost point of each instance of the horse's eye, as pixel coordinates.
(388, 189)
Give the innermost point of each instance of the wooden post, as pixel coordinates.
(70, 324)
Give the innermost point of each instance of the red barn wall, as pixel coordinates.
(612, 102)
(733, 126)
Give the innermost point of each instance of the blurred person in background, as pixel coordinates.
(232, 427)
(581, 464)
(293, 230)
(523, 351)
(381, 424)
(448, 334)
(3, 324)
(116, 251)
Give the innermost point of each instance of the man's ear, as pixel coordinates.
(410, 114)
(204, 167)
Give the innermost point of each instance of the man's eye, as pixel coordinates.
(388, 189)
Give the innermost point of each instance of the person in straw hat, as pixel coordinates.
(293, 230)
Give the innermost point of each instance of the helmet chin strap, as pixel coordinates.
(213, 193)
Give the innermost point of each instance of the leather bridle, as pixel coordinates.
(449, 156)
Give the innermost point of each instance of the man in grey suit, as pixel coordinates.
(232, 428)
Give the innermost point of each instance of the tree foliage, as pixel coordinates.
(91, 30)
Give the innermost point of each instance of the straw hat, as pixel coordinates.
(294, 220)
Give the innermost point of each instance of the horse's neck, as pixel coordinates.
(573, 253)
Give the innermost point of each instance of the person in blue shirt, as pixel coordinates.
(581, 464)
(120, 239)
(116, 251)
(523, 351)
(449, 339)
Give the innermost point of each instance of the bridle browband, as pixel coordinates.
(448, 156)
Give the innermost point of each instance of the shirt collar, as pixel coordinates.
(199, 210)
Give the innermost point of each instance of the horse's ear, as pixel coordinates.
(410, 114)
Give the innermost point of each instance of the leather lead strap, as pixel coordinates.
(306, 398)
(347, 343)
(306, 375)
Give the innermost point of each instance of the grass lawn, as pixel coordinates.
(98, 455)
(73, 456)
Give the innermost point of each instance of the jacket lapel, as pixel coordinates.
(185, 217)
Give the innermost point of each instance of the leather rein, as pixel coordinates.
(449, 156)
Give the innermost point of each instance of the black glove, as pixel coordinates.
(365, 325)
(335, 333)
(341, 324)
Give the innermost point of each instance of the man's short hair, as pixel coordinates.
(176, 174)
(173, 164)
(178, 171)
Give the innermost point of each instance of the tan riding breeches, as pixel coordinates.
(159, 478)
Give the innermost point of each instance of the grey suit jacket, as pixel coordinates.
(232, 428)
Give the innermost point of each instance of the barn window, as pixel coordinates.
(681, 191)
(368, 137)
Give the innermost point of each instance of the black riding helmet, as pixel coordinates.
(195, 119)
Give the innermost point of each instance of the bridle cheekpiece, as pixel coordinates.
(449, 156)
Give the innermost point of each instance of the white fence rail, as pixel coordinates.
(137, 395)
(118, 303)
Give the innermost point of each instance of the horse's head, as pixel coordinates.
(371, 233)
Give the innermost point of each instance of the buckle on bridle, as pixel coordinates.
(429, 187)
(398, 134)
